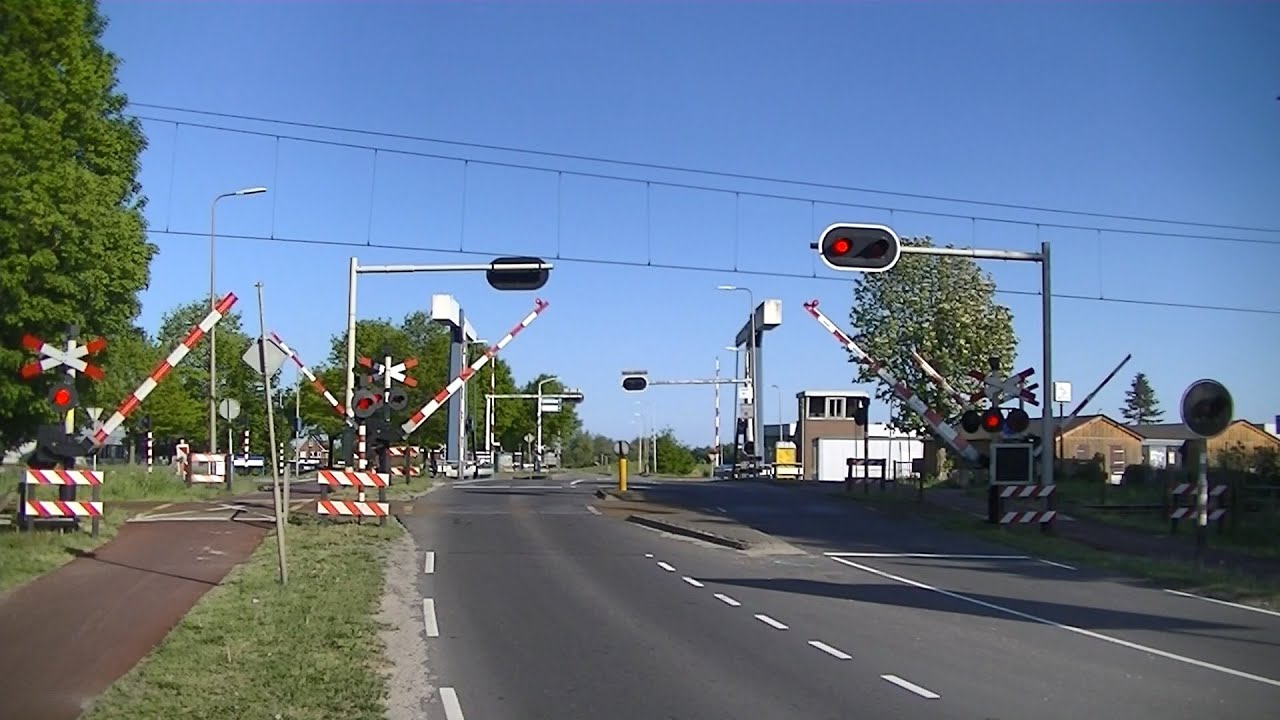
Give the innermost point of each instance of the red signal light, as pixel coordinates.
(991, 420)
(62, 397)
(840, 246)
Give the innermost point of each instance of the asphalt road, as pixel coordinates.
(537, 607)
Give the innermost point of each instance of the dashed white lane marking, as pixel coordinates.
(691, 581)
(1068, 628)
(1223, 602)
(1055, 564)
(648, 555)
(771, 622)
(906, 685)
(429, 617)
(452, 708)
(592, 509)
(936, 556)
(665, 566)
(727, 600)
(429, 564)
(837, 654)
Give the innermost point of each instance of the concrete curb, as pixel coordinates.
(671, 527)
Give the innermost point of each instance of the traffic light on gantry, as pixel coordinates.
(635, 381)
(857, 247)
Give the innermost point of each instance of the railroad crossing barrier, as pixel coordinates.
(360, 507)
(1186, 492)
(30, 509)
(406, 461)
(999, 495)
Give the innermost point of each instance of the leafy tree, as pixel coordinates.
(556, 427)
(73, 247)
(674, 458)
(944, 308)
(585, 449)
(1140, 404)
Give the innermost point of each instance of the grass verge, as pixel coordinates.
(251, 648)
(26, 555)
(1223, 584)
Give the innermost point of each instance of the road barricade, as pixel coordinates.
(31, 509)
(360, 507)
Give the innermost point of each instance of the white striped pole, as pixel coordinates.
(717, 436)
(177, 355)
(245, 443)
(151, 448)
(467, 373)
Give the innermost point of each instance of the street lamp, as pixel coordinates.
(537, 458)
(213, 301)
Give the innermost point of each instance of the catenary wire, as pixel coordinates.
(698, 268)
(712, 173)
(707, 188)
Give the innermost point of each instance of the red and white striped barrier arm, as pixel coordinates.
(443, 396)
(62, 477)
(176, 356)
(909, 397)
(310, 376)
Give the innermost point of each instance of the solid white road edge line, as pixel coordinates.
(922, 692)
(1055, 564)
(452, 708)
(1223, 602)
(429, 617)
(937, 556)
(771, 622)
(839, 655)
(1068, 628)
(665, 566)
(429, 563)
(727, 600)
(692, 582)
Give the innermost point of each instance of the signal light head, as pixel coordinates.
(992, 420)
(858, 247)
(1018, 421)
(635, 383)
(63, 397)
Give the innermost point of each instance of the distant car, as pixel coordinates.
(723, 471)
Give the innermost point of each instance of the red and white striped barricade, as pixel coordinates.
(1186, 493)
(1026, 493)
(31, 509)
(206, 469)
(360, 507)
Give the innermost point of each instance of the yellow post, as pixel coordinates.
(622, 473)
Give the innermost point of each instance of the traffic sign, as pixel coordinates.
(397, 371)
(622, 448)
(1207, 408)
(94, 413)
(997, 388)
(528, 437)
(274, 355)
(229, 408)
(53, 356)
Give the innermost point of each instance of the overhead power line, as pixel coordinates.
(695, 268)
(712, 173)
(706, 188)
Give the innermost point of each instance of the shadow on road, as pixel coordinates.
(89, 555)
(918, 598)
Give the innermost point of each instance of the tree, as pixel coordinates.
(73, 246)
(944, 308)
(1140, 404)
(674, 458)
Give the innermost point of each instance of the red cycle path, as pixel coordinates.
(67, 635)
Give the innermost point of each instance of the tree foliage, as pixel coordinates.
(73, 247)
(674, 458)
(1140, 404)
(944, 308)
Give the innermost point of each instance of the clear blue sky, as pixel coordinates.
(1164, 111)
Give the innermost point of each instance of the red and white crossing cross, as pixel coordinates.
(52, 356)
(997, 389)
(397, 372)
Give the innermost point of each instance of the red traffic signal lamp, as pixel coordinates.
(858, 247)
(63, 397)
(995, 420)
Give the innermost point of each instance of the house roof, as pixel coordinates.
(1080, 421)
(1164, 431)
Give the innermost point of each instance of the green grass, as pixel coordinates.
(1223, 584)
(251, 648)
(26, 555)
